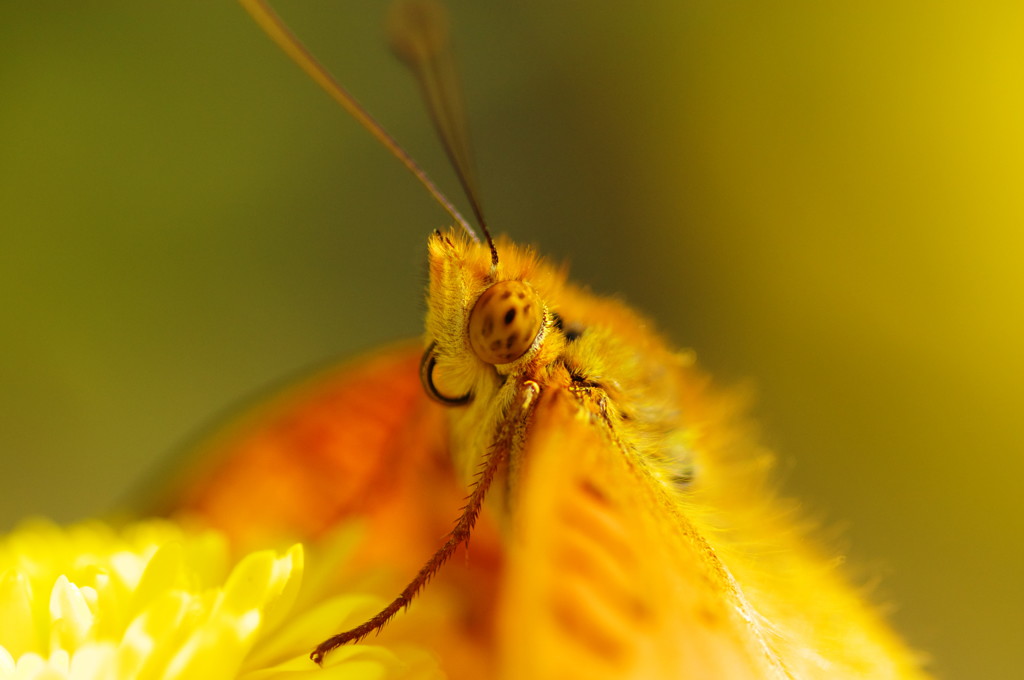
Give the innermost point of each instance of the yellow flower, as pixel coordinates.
(156, 600)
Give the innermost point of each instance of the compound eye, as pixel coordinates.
(504, 322)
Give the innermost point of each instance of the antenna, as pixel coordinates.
(422, 33)
(419, 36)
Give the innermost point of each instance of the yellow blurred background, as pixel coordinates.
(823, 199)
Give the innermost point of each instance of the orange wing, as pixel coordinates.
(603, 581)
(342, 443)
(358, 441)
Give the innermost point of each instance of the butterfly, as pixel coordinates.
(622, 521)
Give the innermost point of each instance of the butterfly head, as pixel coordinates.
(485, 321)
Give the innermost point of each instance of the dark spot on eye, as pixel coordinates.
(496, 345)
(556, 320)
(521, 295)
(488, 326)
(511, 340)
(510, 316)
(506, 295)
(526, 309)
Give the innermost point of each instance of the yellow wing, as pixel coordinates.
(611, 573)
(601, 582)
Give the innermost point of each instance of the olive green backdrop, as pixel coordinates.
(824, 199)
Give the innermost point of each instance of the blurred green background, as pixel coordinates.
(826, 199)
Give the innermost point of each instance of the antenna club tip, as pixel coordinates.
(417, 29)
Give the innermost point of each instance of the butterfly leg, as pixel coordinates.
(459, 535)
